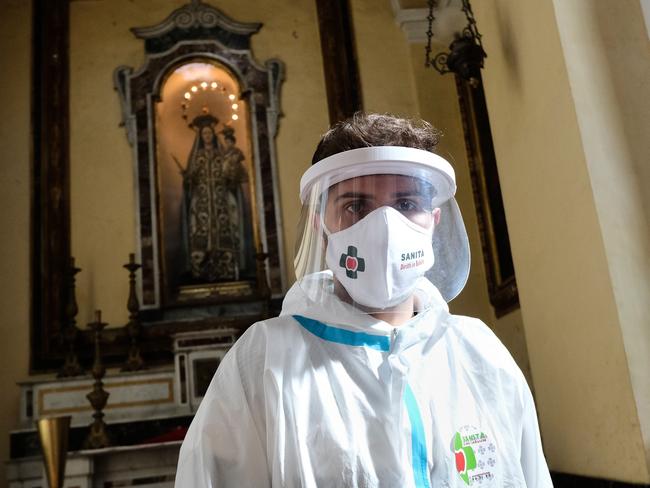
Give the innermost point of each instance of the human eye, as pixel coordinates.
(355, 207)
(405, 205)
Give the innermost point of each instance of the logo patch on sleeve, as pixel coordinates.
(352, 263)
(474, 455)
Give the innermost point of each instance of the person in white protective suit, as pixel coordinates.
(365, 379)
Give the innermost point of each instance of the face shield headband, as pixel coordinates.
(449, 241)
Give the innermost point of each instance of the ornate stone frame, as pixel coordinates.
(51, 173)
(199, 31)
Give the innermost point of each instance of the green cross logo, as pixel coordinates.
(352, 263)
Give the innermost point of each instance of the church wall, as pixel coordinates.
(606, 49)
(15, 181)
(572, 321)
(103, 225)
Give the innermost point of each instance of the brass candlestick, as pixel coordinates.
(71, 366)
(53, 434)
(134, 362)
(97, 437)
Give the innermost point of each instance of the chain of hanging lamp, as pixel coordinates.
(471, 30)
(430, 19)
(466, 54)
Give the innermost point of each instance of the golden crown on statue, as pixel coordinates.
(209, 93)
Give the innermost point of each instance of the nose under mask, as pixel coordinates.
(379, 259)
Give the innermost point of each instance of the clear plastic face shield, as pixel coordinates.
(379, 226)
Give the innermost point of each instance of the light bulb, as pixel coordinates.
(194, 89)
(235, 106)
(187, 95)
(204, 85)
(214, 84)
(235, 116)
(232, 97)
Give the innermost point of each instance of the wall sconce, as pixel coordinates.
(466, 54)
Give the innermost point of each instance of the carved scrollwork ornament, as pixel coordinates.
(196, 15)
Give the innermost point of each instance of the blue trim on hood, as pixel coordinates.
(343, 336)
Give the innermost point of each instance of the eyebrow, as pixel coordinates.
(367, 196)
(402, 194)
(354, 194)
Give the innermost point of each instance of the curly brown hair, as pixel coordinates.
(371, 129)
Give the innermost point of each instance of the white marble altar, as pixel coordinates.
(144, 466)
(147, 414)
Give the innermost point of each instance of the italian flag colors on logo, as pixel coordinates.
(475, 456)
(465, 458)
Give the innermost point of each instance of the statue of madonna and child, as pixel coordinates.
(216, 215)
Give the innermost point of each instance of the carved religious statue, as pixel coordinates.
(213, 224)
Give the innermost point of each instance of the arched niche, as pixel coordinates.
(201, 115)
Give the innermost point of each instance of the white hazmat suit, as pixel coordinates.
(325, 396)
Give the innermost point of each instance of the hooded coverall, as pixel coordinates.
(325, 396)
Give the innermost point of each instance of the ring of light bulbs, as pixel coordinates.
(210, 86)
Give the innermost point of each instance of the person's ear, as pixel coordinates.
(436, 216)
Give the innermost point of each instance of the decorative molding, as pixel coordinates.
(120, 79)
(196, 15)
(72, 399)
(275, 69)
(196, 21)
(414, 24)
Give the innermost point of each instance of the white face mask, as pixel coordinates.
(379, 259)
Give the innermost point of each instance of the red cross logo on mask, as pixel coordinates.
(352, 263)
